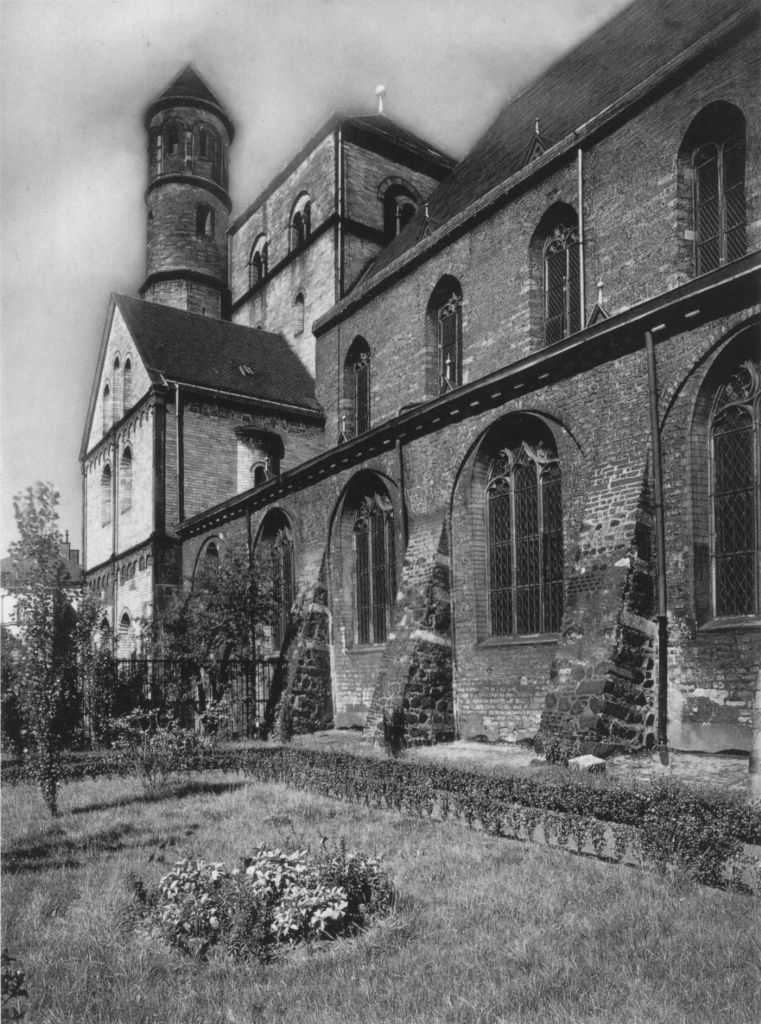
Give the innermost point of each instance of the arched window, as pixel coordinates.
(562, 298)
(298, 314)
(204, 221)
(127, 384)
(301, 222)
(525, 540)
(445, 319)
(356, 404)
(715, 147)
(172, 137)
(211, 554)
(259, 261)
(105, 496)
(399, 207)
(125, 481)
(108, 411)
(259, 473)
(125, 639)
(734, 457)
(374, 568)
(274, 556)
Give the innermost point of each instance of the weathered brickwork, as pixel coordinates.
(443, 657)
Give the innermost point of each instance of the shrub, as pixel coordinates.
(697, 837)
(394, 737)
(152, 747)
(276, 899)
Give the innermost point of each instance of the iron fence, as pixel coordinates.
(185, 690)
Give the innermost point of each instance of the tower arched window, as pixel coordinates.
(715, 147)
(734, 461)
(356, 404)
(445, 318)
(562, 297)
(274, 556)
(127, 384)
(125, 480)
(125, 638)
(301, 222)
(105, 496)
(298, 314)
(374, 568)
(172, 136)
(399, 207)
(204, 221)
(259, 261)
(524, 540)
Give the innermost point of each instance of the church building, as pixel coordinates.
(493, 426)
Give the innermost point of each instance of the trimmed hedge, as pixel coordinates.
(700, 829)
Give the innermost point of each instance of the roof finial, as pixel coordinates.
(380, 92)
(599, 292)
(536, 126)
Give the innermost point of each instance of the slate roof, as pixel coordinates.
(207, 352)
(622, 53)
(390, 131)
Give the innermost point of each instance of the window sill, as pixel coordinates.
(542, 639)
(736, 622)
(365, 648)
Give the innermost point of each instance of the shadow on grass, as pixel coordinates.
(53, 848)
(175, 791)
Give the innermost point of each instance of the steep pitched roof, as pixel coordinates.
(209, 353)
(188, 89)
(604, 67)
(389, 131)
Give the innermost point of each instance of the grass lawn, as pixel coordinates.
(485, 930)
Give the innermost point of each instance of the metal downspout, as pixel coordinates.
(582, 276)
(660, 543)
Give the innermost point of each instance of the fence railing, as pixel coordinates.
(182, 688)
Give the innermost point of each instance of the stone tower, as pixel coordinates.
(189, 136)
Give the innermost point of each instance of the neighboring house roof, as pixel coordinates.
(637, 42)
(13, 571)
(207, 352)
(385, 131)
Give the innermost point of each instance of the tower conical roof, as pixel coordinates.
(189, 89)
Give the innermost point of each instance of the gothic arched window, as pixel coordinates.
(734, 481)
(562, 305)
(274, 555)
(525, 541)
(374, 568)
(718, 175)
(445, 318)
(356, 408)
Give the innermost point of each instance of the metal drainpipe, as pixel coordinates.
(660, 543)
(582, 277)
(178, 445)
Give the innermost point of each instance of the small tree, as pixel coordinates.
(223, 615)
(47, 653)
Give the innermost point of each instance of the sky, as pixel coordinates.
(75, 78)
